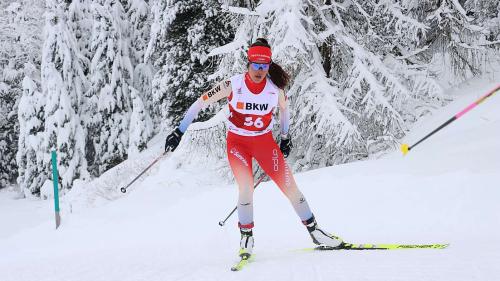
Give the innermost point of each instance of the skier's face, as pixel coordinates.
(258, 71)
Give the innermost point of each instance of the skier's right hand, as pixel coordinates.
(173, 140)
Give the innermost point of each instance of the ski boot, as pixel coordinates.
(246, 243)
(321, 237)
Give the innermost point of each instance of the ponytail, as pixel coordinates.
(279, 76)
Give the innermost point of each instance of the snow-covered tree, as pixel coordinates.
(9, 127)
(318, 122)
(30, 156)
(8, 135)
(80, 22)
(108, 105)
(143, 79)
(62, 86)
(232, 56)
(182, 34)
(486, 13)
(20, 44)
(371, 46)
(139, 16)
(141, 126)
(452, 40)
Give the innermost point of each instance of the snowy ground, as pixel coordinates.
(166, 227)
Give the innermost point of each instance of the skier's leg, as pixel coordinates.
(241, 165)
(270, 158)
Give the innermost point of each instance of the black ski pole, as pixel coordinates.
(221, 223)
(405, 147)
(124, 189)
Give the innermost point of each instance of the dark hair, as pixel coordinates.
(279, 76)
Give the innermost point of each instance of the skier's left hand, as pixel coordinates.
(286, 146)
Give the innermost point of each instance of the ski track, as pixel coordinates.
(446, 190)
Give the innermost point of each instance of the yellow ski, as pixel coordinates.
(349, 246)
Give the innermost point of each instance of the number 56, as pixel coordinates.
(250, 122)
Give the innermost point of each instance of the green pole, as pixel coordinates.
(55, 177)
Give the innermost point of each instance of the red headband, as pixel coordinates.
(259, 54)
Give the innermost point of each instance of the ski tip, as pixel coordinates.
(441, 246)
(244, 259)
(239, 266)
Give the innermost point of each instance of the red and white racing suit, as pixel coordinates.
(251, 107)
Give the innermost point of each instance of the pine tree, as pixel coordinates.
(232, 56)
(63, 86)
(9, 127)
(139, 15)
(30, 156)
(20, 44)
(452, 38)
(108, 105)
(370, 56)
(80, 22)
(141, 126)
(183, 33)
(486, 14)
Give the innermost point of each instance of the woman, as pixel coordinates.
(252, 97)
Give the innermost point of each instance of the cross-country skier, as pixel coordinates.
(252, 98)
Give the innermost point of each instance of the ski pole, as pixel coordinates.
(405, 147)
(124, 189)
(221, 223)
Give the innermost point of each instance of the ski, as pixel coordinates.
(349, 246)
(244, 259)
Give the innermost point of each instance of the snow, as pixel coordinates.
(228, 48)
(166, 227)
(14, 7)
(239, 10)
(18, 215)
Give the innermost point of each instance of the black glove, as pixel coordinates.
(173, 140)
(286, 146)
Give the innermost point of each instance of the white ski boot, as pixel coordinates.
(246, 242)
(321, 237)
